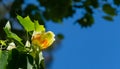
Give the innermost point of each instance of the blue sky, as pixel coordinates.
(97, 47)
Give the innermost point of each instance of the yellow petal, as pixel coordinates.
(43, 39)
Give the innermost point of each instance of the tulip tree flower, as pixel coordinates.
(41, 38)
(44, 39)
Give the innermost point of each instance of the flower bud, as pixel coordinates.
(11, 46)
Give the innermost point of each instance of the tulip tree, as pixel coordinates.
(16, 54)
(51, 10)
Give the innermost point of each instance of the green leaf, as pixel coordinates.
(2, 42)
(77, 0)
(29, 66)
(30, 59)
(0, 53)
(117, 2)
(26, 23)
(39, 28)
(3, 59)
(12, 35)
(60, 36)
(42, 64)
(41, 61)
(107, 8)
(89, 10)
(17, 60)
(41, 56)
(109, 18)
(86, 21)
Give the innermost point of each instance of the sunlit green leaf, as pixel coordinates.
(0, 53)
(2, 42)
(26, 23)
(3, 59)
(12, 35)
(39, 28)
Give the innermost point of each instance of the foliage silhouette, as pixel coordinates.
(56, 10)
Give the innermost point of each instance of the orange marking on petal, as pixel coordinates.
(45, 43)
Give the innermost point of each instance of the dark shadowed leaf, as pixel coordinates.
(42, 65)
(117, 2)
(86, 21)
(93, 3)
(30, 59)
(60, 36)
(30, 9)
(109, 18)
(108, 9)
(37, 16)
(16, 8)
(18, 60)
(77, 0)
(89, 10)
(56, 10)
(29, 63)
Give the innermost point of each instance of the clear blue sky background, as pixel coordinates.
(97, 47)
